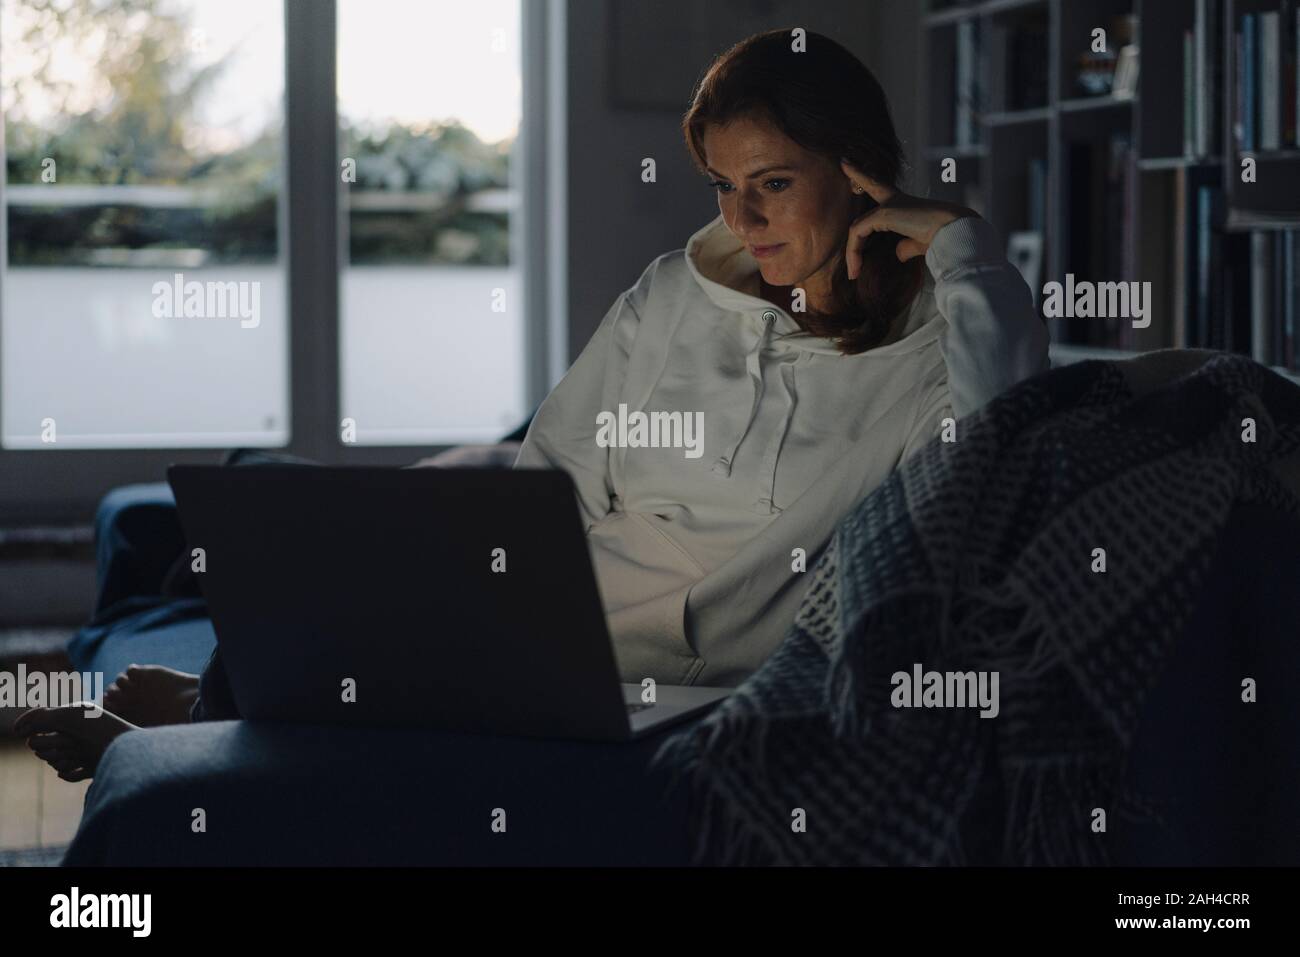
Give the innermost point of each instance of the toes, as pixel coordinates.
(61, 756)
(65, 765)
(32, 722)
(67, 719)
(70, 763)
(63, 760)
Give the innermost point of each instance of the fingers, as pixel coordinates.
(29, 722)
(880, 192)
(876, 221)
(62, 753)
(70, 767)
(51, 741)
(119, 689)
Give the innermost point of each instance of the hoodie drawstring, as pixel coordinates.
(753, 363)
(767, 468)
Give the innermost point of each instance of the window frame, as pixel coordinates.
(63, 486)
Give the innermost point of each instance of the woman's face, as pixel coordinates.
(790, 207)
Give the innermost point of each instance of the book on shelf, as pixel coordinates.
(1189, 93)
(1204, 80)
(1292, 286)
(1284, 299)
(1239, 90)
(967, 94)
(1274, 293)
(1130, 226)
(1270, 78)
(1180, 254)
(1209, 309)
(1233, 291)
(1267, 106)
(1205, 66)
(1248, 75)
(1288, 50)
(1261, 298)
(1118, 224)
(1291, 280)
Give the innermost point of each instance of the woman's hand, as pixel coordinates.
(502, 455)
(913, 218)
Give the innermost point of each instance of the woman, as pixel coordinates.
(820, 329)
(913, 315)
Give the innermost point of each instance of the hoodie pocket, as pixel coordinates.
(644, 579)
(668, 541)
(634, 561)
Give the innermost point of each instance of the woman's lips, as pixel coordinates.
(763, 252)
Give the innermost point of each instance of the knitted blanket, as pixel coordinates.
(1059, 542)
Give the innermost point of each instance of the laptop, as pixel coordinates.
(457, 599)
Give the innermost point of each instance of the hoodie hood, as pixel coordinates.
(728, 274)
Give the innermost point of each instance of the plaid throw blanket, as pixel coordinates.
(978, 555)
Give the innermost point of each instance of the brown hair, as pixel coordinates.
(828, 102)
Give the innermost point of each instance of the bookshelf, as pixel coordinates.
(1137, 184)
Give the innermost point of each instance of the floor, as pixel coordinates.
(36, 808)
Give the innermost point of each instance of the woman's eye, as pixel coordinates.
(775, 185)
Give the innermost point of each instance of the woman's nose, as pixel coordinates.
(749, 217)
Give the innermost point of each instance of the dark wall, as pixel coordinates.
(894, 53)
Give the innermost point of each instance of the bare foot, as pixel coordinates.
(71, 739)
(151, 695)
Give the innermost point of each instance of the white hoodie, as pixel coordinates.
(695, 557)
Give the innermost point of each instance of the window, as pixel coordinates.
(432, 296)
(142, 302)
(408, 293)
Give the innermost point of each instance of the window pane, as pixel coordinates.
(432, 347)
(142, 160)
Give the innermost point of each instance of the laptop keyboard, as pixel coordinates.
(639, 706)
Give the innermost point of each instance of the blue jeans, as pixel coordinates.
(145, 581)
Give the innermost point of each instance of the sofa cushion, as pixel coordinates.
(280, 794)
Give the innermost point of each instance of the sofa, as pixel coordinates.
(1225, 776)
